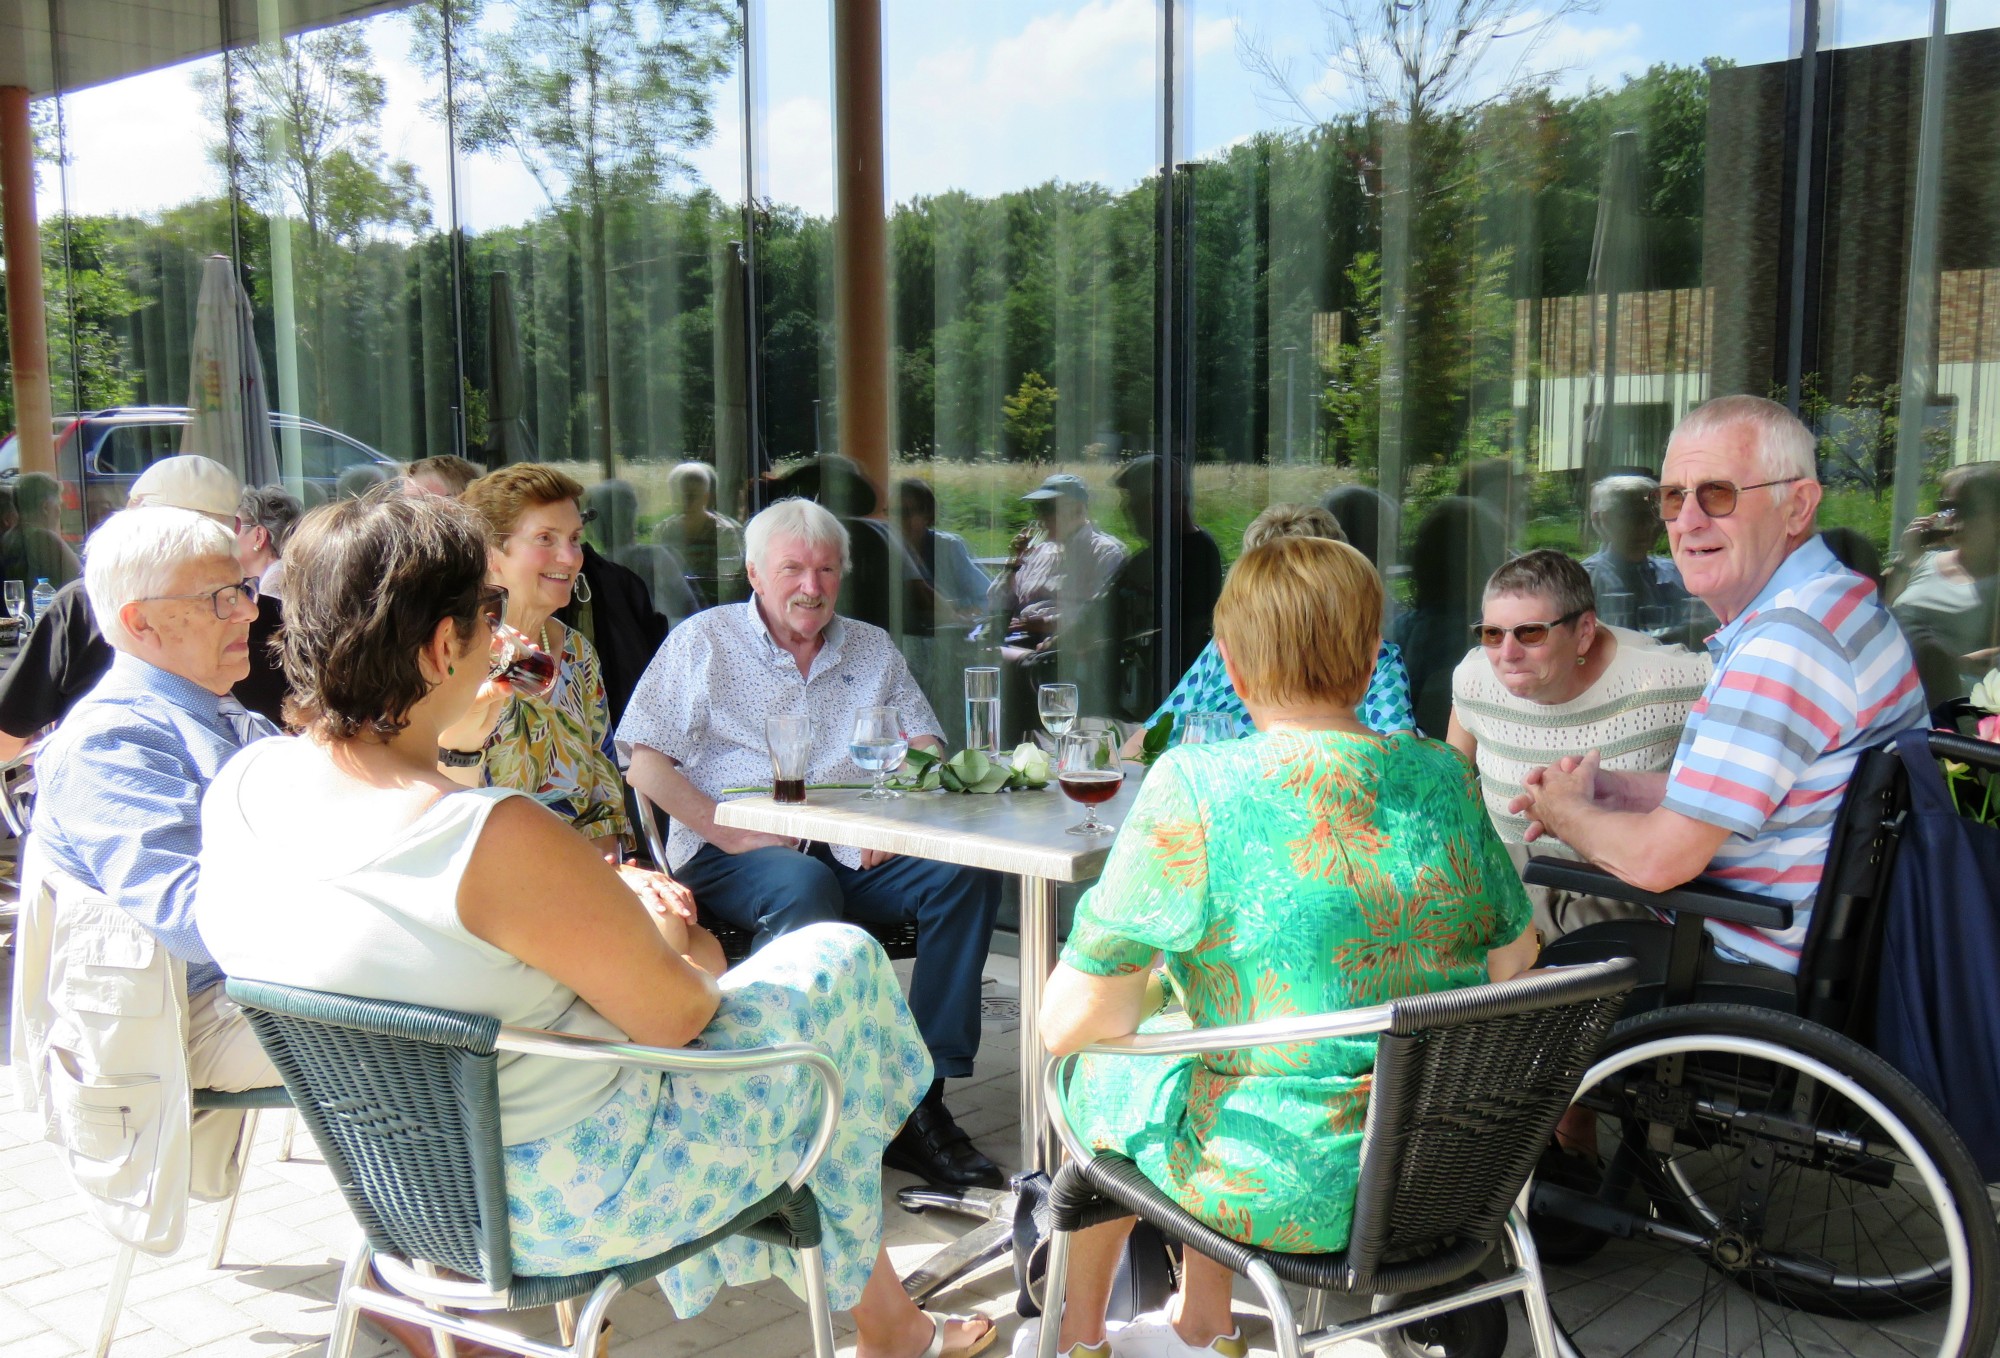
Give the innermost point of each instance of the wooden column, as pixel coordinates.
(20, 239)
(861, 244)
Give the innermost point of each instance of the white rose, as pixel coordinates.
(1986, 693)
(1031, 762)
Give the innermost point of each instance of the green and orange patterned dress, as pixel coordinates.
(1284, 874)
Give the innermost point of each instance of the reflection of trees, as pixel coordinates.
(299, 119)
(597, 99)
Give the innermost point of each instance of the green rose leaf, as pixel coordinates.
(1157, 737)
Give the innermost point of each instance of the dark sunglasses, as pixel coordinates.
(1527, 633)
(493, 605)
(1716, 498)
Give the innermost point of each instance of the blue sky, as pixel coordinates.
(982, 95)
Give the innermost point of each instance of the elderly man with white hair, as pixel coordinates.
(1810, 670)
(119, 784)
(695, 727)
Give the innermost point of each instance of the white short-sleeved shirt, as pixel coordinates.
(703, 701)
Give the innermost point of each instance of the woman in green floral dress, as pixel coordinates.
(1312, 867)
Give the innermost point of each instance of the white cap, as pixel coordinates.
(188, 482)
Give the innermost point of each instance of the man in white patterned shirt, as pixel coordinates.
(695, 727)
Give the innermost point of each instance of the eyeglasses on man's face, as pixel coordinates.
(224, 601)
(1716, 498)
(1527, 633)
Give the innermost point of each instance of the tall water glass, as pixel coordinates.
(1205, 728)
(878, 747)
(17, 598)
(982, 709)
(1056, 705)
(790, 740)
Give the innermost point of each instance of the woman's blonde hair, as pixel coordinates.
(501, 498)
(1301, 619)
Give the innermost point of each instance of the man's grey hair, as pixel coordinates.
(1784, 447)
(135, 554)
(1624, 490)
(793, 520)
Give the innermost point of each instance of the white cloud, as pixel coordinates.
(797, 145)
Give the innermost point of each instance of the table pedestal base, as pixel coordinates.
(971, 1252)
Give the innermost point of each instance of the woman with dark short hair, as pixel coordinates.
(401, 885)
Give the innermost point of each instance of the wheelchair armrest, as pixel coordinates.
(604, 1051)
(1699, 897)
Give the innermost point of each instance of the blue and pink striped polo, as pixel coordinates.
(1811, 674)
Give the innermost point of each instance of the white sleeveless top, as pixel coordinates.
(1632, 716)
(381, 922)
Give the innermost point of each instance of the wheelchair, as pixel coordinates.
(1746, 1175)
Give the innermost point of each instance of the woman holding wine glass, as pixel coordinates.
(1313, 866)
(555, 746)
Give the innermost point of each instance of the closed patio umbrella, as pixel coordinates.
(231, 411)
(508, 438)
(1617, 271)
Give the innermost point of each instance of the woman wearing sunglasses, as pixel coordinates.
(1544, 679)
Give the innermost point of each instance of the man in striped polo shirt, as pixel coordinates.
(1810, 670)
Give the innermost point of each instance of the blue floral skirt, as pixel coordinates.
(672, 1157)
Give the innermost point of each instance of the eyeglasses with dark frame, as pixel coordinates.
(1527, 633)
(1716, 498)
(224, 601)
(492, 605)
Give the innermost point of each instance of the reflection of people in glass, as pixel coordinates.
(1949, 597)
(708, 543)
(1550, 680)
(556, 749)
(33, 549)
(1362, 512)
(1635, 587)
(1385, 707)
(444, 475)
(1198, 578)
(1059, 562)
(1459, 544)
(946, 561)
(614, 524)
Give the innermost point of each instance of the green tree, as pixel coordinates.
(1029, 417)
(597, 99)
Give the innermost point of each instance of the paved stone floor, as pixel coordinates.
(272, 1296)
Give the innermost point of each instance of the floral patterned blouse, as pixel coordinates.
(1385, 708)
(1287, 873)
(558, 750)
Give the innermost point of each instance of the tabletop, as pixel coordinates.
(1024, 833)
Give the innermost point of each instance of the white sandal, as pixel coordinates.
(939, 1319)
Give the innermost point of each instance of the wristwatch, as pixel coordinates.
(460, 759)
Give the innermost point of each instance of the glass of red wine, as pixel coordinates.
(1089, 772)
(527, 668)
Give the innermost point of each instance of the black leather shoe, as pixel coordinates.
(932, 1147)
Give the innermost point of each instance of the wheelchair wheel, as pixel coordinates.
(1475, 1331)
(1763, 1183)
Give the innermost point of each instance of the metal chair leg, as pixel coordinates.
(819, 1307)
(1055, 1290)
(1284, 1325)
(590, 1322)
(114, 1300)
(243, 1144)
(566, 1322)
(1535, 1293)
(285, 1142)
(346, 1315)
(446, 1342)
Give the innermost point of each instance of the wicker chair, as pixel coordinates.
(897, 940)
(1469, 1085)
(404, 1103)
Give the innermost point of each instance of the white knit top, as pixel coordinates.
(1632, 716)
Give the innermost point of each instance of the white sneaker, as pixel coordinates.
(1028, 1339)
(1151, 1335)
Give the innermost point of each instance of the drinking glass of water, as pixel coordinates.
(982, 709)
(878, 746)
(17, 598)
(1056, 704)
(1206, 728)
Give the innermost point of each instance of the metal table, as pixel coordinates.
(1024, 834)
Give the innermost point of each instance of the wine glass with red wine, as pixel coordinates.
(1089, 772)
